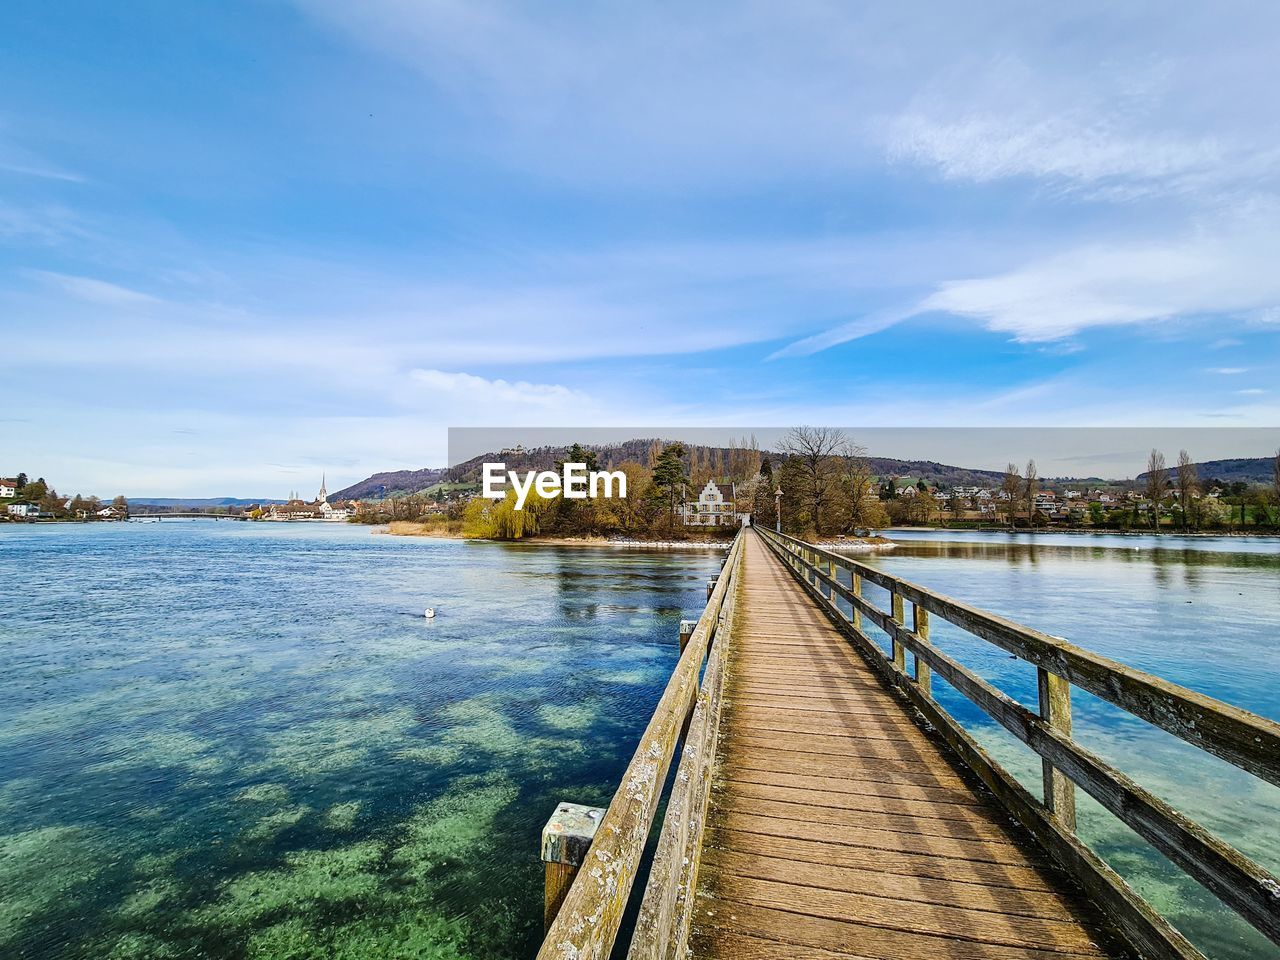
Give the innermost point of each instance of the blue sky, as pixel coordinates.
(244, 242)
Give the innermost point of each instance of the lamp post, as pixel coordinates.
(777, 509)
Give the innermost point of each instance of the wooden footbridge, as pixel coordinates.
(825, 805)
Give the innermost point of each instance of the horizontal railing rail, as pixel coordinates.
(587, 922)
(1250, 742)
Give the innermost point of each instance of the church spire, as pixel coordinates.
(323, 495)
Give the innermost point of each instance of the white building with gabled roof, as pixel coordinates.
(713, 508)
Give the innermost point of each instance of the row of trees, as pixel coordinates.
(52, 504)
(1190, 508)
(1179, 487)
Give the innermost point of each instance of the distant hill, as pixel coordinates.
(1247, 470)
(939, 474)
(196, 503)
(394, 483)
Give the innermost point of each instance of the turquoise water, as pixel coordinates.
(230, 740)
(1200, 611)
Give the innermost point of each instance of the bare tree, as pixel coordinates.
(1029, 489)
(818, 454)
(1156, 478)
(1011, 487)
(1188, 484)
(1275, 479)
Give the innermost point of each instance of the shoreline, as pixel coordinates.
(1209, 534)
(852, 545)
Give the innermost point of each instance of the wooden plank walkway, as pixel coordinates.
(839, 828)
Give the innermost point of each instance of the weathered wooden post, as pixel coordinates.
(686, 631)
(565, 841)
(711, 587)
(857, 592)
(920, 627)
(899, 617)
(1055, 710)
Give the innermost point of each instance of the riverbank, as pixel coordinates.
(1091, 532)
(857, 544)
(407, 528)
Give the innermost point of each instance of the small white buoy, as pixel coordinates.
(430, 613)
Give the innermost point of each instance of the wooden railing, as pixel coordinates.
(1246, 740)
(585, 924)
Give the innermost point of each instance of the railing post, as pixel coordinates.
(899, 617)
(565, 841)
(920, 627)
(857, 592)
(686, 631)
(711, 587)
(1055, 710)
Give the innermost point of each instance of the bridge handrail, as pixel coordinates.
(588, 920)
(666, 912)
(1250, 742)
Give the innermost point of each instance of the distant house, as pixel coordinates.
(24, 510)
(1046, 502)
(8, 489)
(335, 512)
(713, 508)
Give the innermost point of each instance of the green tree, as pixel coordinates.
(33, 491)
(669, 476)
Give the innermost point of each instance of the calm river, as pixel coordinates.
(227, 740)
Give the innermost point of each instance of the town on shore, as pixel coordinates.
(818, 484)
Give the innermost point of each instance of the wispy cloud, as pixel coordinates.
(1227, 371)
(1101, 285)
(1082, 152)
(44, 173)
(96, 291)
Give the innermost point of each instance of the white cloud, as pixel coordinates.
(514, 398)
(1083, 94)
(1231, 271)
(1116, 284)
(1227, 371)
(1251, 392)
